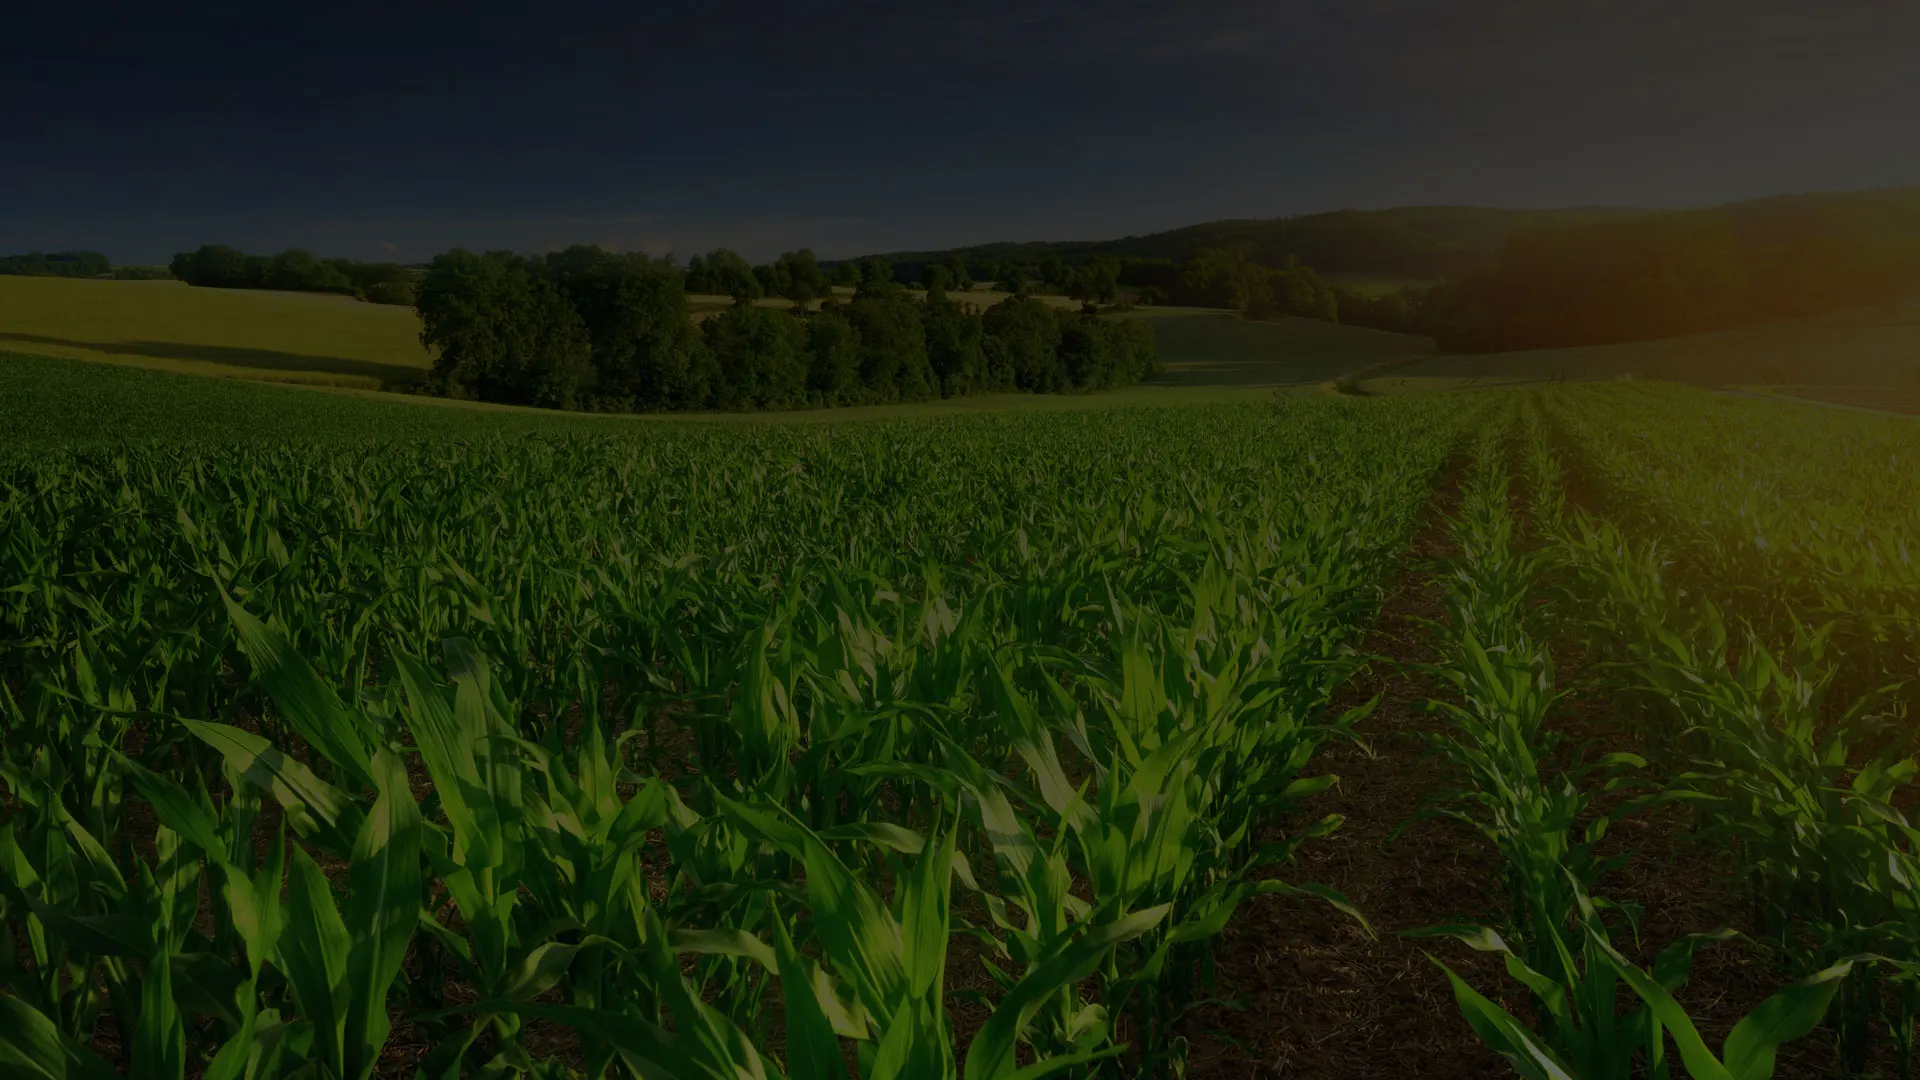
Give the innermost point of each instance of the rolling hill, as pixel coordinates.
(1432, 242)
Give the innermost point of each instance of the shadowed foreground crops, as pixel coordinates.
(951, 747)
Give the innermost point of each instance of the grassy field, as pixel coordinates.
(1213, 348)
(40, 397)
(249, 334)
(1878, 347)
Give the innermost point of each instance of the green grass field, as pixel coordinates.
(1213, 348)
(284, 337)
(42, 397)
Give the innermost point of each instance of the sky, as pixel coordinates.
(398, 130)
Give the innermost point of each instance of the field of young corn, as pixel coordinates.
(938, 748)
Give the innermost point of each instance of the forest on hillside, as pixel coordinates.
(72, 264)
(1511, 279)
(294, 270)
(1661, 275)
(1490, 280)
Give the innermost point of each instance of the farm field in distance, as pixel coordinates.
(1119, 740)
(321, 340)
(251, 334)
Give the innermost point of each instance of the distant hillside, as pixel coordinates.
(1423, 242)
(1665, 274)
(1432, 242)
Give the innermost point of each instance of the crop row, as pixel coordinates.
(702, 753)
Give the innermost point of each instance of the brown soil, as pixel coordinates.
(1319, 996)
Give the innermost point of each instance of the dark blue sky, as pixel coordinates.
(398, 130)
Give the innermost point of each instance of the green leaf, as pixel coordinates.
(723, 943)
(384, 909)
(306, 702)
(32, 1048)
(1782, 1018)
(446, 748)
(254, 903)
(1700, 1062)
(313, 949)
(648, 1049)
(991, 1055)
(176, 809)
(926, 919)
(331, 818)
(860, 939)
(160, 1037)
(1505, 1035)
(813, 1051)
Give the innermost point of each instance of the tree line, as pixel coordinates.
(1422, 242)
(1506, 279)
(57, 264)
(297, 270)
(75, 264)
(593, 329)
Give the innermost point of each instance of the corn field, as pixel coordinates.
(936, 748)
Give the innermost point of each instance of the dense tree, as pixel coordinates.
(1054, 273)
(503, 330)
(1100, 354)
(893, 347)
(1640, 278)
(957, 274)
(954, 344)
(378, 283)
(724, 273)
(646, 353)
(833, 358)
(803, 279)
(1101, 276)
(876, 279)
(1399, 311)
(773, 278)
(613, 331)
(214, 266)
(56, 264)
(1137, 350)
(1021, 346)
(760, 358)
(1225, 278)
(295, 269)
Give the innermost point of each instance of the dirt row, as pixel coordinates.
(1316, 996)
